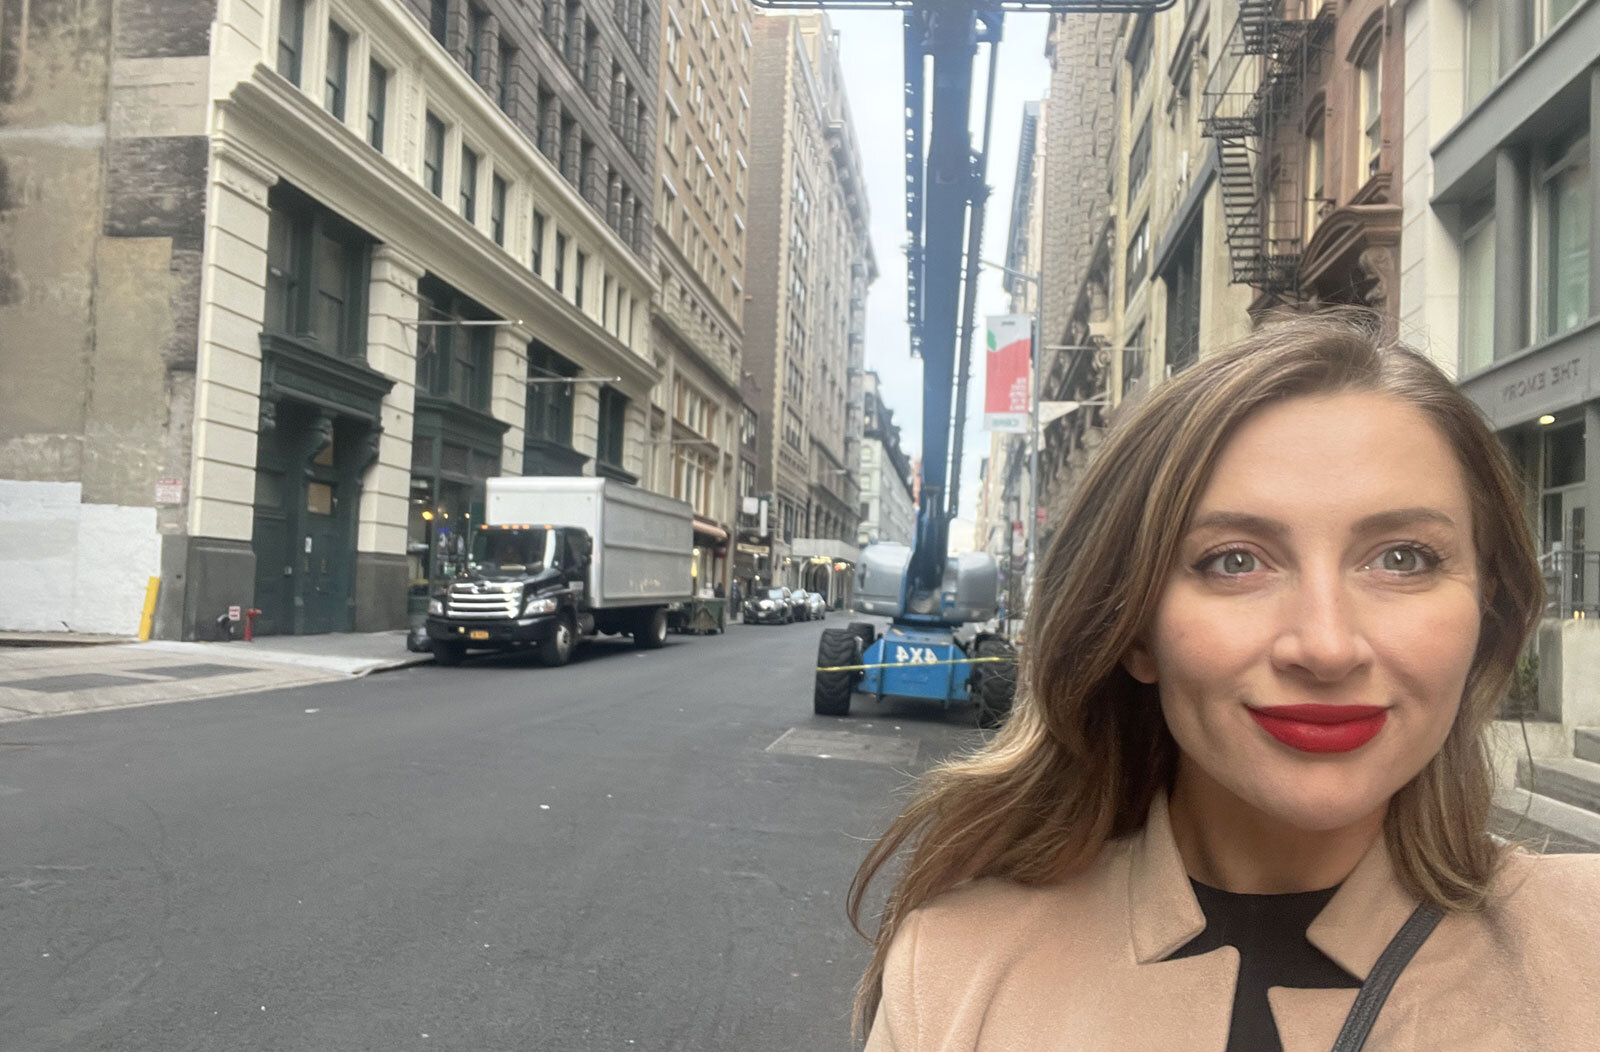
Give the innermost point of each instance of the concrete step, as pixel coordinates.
(1550, 825)
(1587, 744)
(1568, 779)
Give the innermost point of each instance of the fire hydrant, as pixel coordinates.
(250, 616)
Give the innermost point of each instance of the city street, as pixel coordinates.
(498, 856)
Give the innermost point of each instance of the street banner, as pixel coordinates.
(1005, 388)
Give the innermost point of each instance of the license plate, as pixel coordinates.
(478, 633)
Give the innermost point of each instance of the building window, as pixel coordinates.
(1183, 304)
(1483, 49)
(377, 103)
(549, 416)
(561, 262)
(477, 23)
(453, 361)
(1139, 57)
(433, 156)
(613, 426)
(1564, 221)
(1139, 161)
(508, 76)
(1553, 11)
(439, 21)
(537, 262)
(316, 276)
(1370, 76)
(1138, 259)
(579, 262)
(338, 70)
(497, 212)
(1315, 187)
(291, 38)
(469, 185)
(1477, 288)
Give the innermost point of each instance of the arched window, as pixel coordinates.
(1315, 162)
(1367, 57)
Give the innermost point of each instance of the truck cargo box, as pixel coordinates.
(643, 541)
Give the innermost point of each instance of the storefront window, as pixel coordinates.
(1477, 290)
(1565, 278)
(1483, 49)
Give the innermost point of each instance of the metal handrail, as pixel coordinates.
(1572, 583)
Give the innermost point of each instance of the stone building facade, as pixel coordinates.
(810, 265)
(701, 235)
(887, 514)
(348, 260)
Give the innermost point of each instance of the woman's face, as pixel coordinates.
(1312, 646)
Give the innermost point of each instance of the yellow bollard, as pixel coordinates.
(147, 619)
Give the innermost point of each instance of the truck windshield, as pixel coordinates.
(501, 552)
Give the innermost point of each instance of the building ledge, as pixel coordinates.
(1549, 376)
(1548, 86)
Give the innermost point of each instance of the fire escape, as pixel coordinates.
(1253, 87)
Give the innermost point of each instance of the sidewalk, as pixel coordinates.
(37, 679)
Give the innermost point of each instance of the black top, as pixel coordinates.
(1269, 931)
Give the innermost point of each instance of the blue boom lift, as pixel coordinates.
(927, 593)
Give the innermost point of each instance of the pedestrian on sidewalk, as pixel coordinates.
(734, 601)
(1244, 788)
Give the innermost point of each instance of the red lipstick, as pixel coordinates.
(1322, 728)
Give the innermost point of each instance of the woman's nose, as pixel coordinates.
(1320, 634)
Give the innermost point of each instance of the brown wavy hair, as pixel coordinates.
(1086, 749)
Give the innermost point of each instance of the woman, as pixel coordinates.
(1271, 632)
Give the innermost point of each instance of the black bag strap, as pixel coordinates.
(1369, 1001)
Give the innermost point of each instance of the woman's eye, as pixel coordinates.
(1231, 564)
(1404, 559)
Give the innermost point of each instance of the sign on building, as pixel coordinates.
(1005, 389)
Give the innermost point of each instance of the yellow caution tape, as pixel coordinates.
(915, 664)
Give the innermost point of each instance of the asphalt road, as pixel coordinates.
(498, 856)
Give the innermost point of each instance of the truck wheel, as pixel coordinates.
(557, 649)
(995, 682)
(448, 654)
(832, 694)
(651, 633)
(865, 632)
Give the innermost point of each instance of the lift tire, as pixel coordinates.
(994, 683)
(557, 650)
(866, 632)
(651, 631)
(833, 689)
(448, 654)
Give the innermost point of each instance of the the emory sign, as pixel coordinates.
(1544, 381)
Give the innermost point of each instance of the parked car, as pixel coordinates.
(797, 603)
(816, 606)
(769, 606)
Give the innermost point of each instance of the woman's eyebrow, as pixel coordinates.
(1402, 517)
(1245, 522)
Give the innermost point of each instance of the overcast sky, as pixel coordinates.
(871, 48)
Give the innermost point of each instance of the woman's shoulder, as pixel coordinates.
(991, 909)
(1532, 882)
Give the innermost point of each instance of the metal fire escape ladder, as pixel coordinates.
(1249, 91)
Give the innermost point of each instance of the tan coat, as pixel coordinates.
(1082, 965)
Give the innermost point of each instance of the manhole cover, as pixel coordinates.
(846, 745)
(194, 671)
(62, 684)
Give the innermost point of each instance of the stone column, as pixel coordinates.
(508, 392)
(627, 227)
(214, 566)
(571, 155)
(1511, 250)
(489, 56)
(550, 126)
(614, 201)
(586, 421)
(1594, 204)
(382, 576)
(1516, 34)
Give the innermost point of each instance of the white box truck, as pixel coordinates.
(561, 560)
